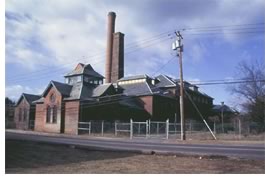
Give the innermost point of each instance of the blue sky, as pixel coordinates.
(46, 39)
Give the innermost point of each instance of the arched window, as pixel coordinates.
(48, 115)
(54, 114)
(20, 114)
(25, 114)
(52, 98)
(51, 116)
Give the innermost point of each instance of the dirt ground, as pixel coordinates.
(31, 157)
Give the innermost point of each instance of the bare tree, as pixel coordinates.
(253, 91)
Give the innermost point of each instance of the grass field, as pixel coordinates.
(30, 157)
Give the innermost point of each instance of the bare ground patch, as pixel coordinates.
(32, 157)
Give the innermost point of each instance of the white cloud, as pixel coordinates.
(58, 33)
(14, 91)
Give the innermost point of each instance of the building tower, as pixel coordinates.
(114, 68)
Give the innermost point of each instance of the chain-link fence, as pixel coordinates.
(165, 129)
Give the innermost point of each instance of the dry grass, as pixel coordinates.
(29, 157)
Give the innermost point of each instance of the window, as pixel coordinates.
(52, 98)
(48, 115)
(79, 78)
(100, 82)
(20, 114)
(51, 114)
(54, 114)
(25, 114)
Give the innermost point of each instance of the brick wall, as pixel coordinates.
(71, 117)
(40, 117)
(23, 123)
(117, 57)
(41, 113)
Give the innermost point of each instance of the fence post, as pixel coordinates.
(102, 128)
(167, 128)
(190, 126)
(115, 124)
(89, 132)
(157, 128)
(139, 128)
(239, 128)
(149, 129)
(214, 127)
(131, 129)
(146, 129)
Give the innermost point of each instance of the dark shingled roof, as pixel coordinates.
(41, 100)
(84, 70)
(227, 109)
(81, 91)
(29, 98)
(63, 88)
(142, 88)
(101, 89)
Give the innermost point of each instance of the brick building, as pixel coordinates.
(24, 117)
(84, 95)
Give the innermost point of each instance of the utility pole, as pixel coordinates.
(179, 47)
(222, 116)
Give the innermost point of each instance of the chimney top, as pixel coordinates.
(112, 14)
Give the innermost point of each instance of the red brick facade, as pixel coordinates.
(22, 115)
(71, 117)
(41, 123)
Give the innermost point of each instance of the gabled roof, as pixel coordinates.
(101, 89)
(62, 88)
(80, 91)
(164, 81)
(219, 108)
(41, 100)
(82, 69)
(28, 97)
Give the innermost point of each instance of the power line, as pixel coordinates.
(164, 33)
(137, 44)
(24, 78)
(229, 82)
(224, 26)
(62, 67)
(225, 29)
(143, 41)
(224, 33)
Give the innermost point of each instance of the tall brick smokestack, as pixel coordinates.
(117, 67)
(110, 31)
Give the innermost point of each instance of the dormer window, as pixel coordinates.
(79, 78)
